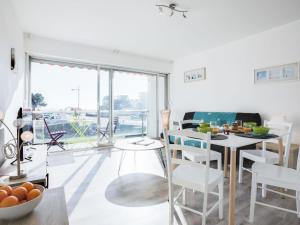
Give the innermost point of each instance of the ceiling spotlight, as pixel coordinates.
(172, 13)
(174, 8)
(160, 9)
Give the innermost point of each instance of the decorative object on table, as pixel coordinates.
(20, 201)
(234, 126)
(143, 141)
(12, 148)
(203, 124)
(277, 73)
(247, 130)
(239, 123)
(195, 75)
(204, 129)
(172, 7)
(249, 124)
(226, 128)
(260, 130)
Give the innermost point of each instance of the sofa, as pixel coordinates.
(221, 118)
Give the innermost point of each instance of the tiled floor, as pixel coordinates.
(95, 194)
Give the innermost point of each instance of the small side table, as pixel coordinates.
(134, 144)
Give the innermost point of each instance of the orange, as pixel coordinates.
(28, 185)
(20, 193)
(7, 188)
(23, 201)
(33, 194)
(9, 201)
(3, 195)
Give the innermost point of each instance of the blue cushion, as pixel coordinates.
(192, 143)
(220, 117)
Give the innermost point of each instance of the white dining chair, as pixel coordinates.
(192, 175)
(199, 156)
(276, 176)
(264, 156)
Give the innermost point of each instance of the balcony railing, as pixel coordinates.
(81, 126)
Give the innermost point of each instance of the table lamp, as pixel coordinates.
(26, 137)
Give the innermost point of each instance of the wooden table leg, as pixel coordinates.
(232, 187)
(225, 162)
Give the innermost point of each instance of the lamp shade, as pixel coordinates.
(2, 115)
(27, 136)
(165, 114)
(18, 123)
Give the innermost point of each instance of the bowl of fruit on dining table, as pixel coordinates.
(16, 202)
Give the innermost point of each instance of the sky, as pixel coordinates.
(55, 83)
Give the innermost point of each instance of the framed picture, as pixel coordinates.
(277, 73)
(195, 75)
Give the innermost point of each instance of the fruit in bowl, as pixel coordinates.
(260, 130)
(19, 201)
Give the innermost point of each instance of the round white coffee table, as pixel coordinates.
(140, 144)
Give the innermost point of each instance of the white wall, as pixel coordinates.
(36, 45)
(230, 77)
(11, 85)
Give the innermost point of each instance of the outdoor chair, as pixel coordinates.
(104, 133)
(54, 137)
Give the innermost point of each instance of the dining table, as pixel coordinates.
(233, 142)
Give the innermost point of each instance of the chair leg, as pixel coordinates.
(180, 215)
(221, 191)
(204, 208)
(298, 203)
(171, 206)
(184, 196)
(253, 197)
(263, 190)
(241, 162)
(220, 163)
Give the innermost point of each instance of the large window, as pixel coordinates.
(92, 104)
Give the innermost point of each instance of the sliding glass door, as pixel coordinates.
(66, 97)
(134, 98)
(93, 105)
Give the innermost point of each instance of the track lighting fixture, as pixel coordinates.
(173, 8)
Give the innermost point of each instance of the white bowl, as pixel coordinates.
(15, 212)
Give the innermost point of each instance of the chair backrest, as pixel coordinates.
(282, 127)
(190, 122)
(115, 123)
(182, 134)
(165, 117)
(47, 127)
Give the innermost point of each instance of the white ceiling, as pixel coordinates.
(135, 26)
